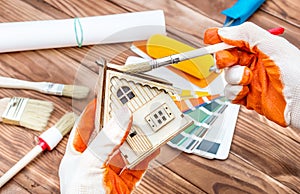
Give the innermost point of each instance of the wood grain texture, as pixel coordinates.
(264, 157)
(163, 180)
(287, 11)
(270, 15)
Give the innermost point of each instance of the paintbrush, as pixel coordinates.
(74, 91)
(47, 141)
(172, 59)
(176, 58)
(25, 112)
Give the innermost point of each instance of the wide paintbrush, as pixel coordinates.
(29, 113)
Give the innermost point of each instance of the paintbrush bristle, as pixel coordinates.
(74, 91)
(36, 114)
(65, 124)
(135, 67)
(3, 104)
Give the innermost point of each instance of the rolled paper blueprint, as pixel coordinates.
(127, 27)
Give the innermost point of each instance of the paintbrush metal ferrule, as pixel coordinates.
(173, 59)
(14, 110)
(53, 88)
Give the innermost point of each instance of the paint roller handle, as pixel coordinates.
(20, 165)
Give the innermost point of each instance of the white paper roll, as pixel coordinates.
(31, 35)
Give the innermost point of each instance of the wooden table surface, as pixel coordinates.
(264, 157)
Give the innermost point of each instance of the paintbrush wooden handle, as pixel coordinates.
(20, 165)
(7, 82)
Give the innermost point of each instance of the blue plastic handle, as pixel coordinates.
(241, 11)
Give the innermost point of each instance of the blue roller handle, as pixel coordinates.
(241, 11)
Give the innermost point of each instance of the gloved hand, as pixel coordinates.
(95, 168)
(262, 71)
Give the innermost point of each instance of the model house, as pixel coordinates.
(156, 118)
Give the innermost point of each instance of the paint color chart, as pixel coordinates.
(212, 129)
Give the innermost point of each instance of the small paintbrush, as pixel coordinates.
(74, 91)
(172, 59)
(47, 141)
(30, 113)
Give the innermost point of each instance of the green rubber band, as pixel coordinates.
(77, 21)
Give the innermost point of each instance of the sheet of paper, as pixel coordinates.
(31, 35)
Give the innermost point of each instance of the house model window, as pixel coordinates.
(125, 94)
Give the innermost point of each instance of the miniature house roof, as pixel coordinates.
(134, 91)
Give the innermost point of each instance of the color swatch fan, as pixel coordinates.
(211, 134)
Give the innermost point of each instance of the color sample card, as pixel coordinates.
(203, 115)
(211, 134)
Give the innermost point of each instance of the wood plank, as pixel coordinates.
(266, 146)
(13, 187)
(209, 9)
(75, 8)
(286, 10)
(18, 11)
(43, 177)
(268, 16)
(163, 180)
(44, 65)
(253, 117)
(233, 175)
(283, 10)
(177, 15)
(263, 156)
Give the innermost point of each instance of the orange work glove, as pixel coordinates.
(262, 71)
(95, 167)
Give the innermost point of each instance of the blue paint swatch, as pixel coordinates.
(208, 146)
